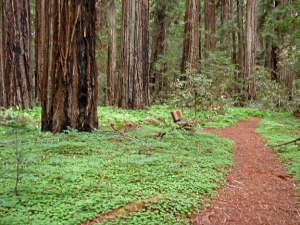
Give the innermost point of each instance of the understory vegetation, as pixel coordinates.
(72, 177)
(278, 128)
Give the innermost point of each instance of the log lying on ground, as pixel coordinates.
(297, 139)
(121, 133)
(161, 134)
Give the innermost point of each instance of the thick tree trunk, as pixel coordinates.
(209, 25)
(112, 53)
(1, 67)
(250, 48)
(39, 48)
(70, 76)
(134, 59)
(158, 44)
(190, 44)
(16, 53)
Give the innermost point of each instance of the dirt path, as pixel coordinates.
(257, 190)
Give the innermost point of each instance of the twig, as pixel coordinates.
(121, 133)
(297, 139)
(161, 134)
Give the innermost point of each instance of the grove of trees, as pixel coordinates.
(70, 56)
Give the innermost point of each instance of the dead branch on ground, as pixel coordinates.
(121, 133)
(297, 139)
(161, 134)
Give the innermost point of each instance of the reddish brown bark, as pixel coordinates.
(112, 53)
(190, 44)
(209, 25)
(134, 58)
(70, 76)
(16, 54)
(241, 53)
(39, 48)
(250, 49)
(158, 44)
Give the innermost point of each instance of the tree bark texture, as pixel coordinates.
(39, 48)
(158, 44)
(112, 53)
(1, 67)
(209, 25)
(225, 21)
(16, 54)
(190, 44)
(241, 45)
(134, 59)
(70, 76)
(250, 48)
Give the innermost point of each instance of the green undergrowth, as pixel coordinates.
(278, 128)
(71, 177)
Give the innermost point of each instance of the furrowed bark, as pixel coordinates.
(16, 54)
(134, 66)
(190, 45)
(112, 53)
(70, 75)
(250, 48)
(209, 25)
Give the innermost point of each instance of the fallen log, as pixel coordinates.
(121, 133)
(295, 140)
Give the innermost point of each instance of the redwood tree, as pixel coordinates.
(190, 45)
(158, 43)
(134, 57)
(250, 48)
(69, 76)
(209, 24)
(39, 48)
(112, 53)
(16, 54)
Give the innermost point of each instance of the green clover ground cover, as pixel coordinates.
(72, 177)
(278, 128)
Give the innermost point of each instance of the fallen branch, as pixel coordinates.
(121, 133)
(297, 139)
(161, 134)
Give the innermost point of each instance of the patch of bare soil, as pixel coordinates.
(257, 190)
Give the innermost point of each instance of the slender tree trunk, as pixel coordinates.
(16, 53)
(190, 44)
(250, 48)
(134, 59)
(158, 44)
(70, 76)
(1, 67)
(209, 25)
(241, 54)
(39, 48)
(225, 20)
(112, 53)
(234, 55)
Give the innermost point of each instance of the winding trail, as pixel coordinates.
(257, 189)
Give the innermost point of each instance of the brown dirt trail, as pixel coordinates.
(257, 189)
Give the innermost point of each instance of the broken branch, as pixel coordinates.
(297, 139)
(161, 134)
(121, 133)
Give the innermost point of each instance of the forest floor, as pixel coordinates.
(257, 190)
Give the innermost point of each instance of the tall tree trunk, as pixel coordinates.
(190, 44)
(225, 20)
(112, 53)
(39, 48)
(134, 66)
(234, 55)
(70, 76)
(209, 25)
(158, 44)
(250, 48)
(1, 67)
(241, 54)
(16, 53)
